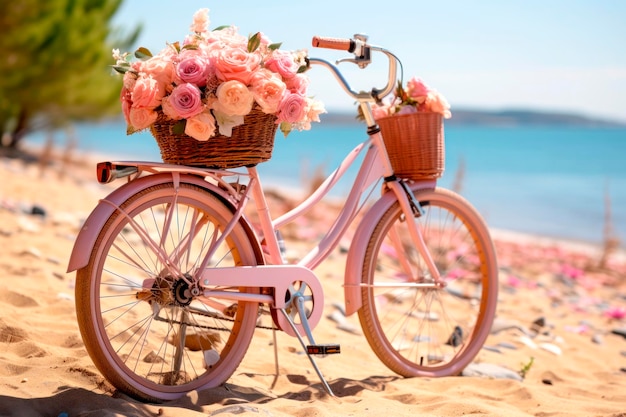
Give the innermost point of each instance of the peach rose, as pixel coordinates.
(161, 68)
(200, 21)
(141, 117)
(268, 91)
(201, 126)
(146, 93)
(314, 109)
(216, 40)
(236, 64)
(234, 98)
(168, 110)
(437, 103)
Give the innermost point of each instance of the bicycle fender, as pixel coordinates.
(356, 253)
(88, 234)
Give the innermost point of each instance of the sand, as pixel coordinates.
(575, 366)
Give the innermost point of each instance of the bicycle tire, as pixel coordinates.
(430, 332)
(140, 325)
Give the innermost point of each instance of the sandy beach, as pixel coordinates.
(560, 323)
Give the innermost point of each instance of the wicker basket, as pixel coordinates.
(250, 143)
(415, 144)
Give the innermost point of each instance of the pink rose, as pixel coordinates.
(201, 126)
(264, 40)
(268, 91)
(236, 64)
(234, 98)
(298, 83)
(193, 69)
(141, 117)
(292, 108)
(283, 63)
(312, 112)
(186, 101)
(146, 93)
(126, 104)
(417, 90)
(406, 110)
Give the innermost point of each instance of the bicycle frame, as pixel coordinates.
(375, 166)
(371, 171)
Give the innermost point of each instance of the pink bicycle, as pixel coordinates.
(172, 279)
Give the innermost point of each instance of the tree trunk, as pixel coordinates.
(20, 130)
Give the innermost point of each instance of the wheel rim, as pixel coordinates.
(432, 331)
(154, 332)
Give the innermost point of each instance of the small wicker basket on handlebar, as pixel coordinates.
(415, 144)
(250, 143)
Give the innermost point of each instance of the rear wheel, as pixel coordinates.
(148, 329)
(418, 327)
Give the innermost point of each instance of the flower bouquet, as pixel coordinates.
(217, 99)
(412, 127)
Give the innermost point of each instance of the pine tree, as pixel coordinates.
(57, 62)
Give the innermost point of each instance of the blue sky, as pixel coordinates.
(557, 55)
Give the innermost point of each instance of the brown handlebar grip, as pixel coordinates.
(333, 43)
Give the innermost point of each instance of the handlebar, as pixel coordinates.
(362, 57)
(334, 43)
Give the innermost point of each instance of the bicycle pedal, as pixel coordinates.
(323, 349)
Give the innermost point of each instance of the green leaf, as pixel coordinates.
(179, 127)
(143, 53)
(120, 69)
(302, 69)
(254, 42)
(285, 128)
(221, 27)
(274, 46)
(175, 46)
(189, 47)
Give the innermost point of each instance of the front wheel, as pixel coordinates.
(416, 326)
(147, 328)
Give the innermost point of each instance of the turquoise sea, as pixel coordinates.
(553, 181)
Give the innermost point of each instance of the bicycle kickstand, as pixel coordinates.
(313, 348)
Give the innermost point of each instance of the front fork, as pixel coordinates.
(411, 208)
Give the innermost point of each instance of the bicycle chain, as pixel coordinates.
(206, 314)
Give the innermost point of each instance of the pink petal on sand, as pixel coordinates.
(572, 272)
(615, 313)
(513, 281)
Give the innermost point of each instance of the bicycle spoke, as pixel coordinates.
(429, 327)
(135, 297)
